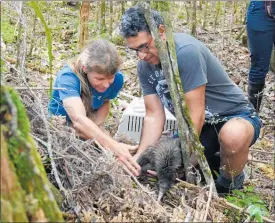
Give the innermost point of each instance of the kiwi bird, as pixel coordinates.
(165, 158)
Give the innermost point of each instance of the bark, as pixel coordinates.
(19, 37)
(33, 36)
(102, 15)
(84, 17)
(194, 18)
(111, 18)
(217, 15)
(187, 133)
(25, 189)
(205, 15)
(187, 11)
(122, 7)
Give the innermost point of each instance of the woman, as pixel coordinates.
(90, 82)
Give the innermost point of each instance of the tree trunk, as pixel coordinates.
(205, 14)
(187, 11)
(25, 190)
(19, 35)
(102, 15)
(84, 17)
(122, 7)
(111, 19)
(194, 18)
(187, 133)
(217, 15)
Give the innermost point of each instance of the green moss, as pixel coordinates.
(28, 165)
(3, 67)
(57, 195)
(7, 30)
(105, 35)
(22, 118)
(6, 211)
(12, 205)
(122, 53)
(181, 16)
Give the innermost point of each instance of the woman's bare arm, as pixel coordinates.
(89, 130)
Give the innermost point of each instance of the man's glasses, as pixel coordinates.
(144, 48)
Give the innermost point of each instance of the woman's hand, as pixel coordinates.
(122, 152)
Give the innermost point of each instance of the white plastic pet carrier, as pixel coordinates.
(132, 120)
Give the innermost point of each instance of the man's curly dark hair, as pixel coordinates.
(133, 22)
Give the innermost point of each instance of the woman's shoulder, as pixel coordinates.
(119, 80)
(66, 78)
(66, 73)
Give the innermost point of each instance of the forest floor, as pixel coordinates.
(124, 200)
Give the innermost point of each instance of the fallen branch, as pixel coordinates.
(28, 65)
(39, 88)
(221, 202)
(208, 203)
(252, 160)
(261, 151)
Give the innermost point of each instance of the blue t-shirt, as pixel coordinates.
(67, 79)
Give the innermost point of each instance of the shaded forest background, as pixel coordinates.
(91, 191)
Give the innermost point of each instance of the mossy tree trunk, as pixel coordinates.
(187, 133)
(84, 17)
(25, 189)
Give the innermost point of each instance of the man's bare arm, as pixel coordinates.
(153, 122)
(195, 101)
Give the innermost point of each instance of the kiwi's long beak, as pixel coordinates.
(161, 193)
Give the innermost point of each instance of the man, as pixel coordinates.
(222, 116)
(261, 37)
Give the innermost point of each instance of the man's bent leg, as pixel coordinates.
(235, 139)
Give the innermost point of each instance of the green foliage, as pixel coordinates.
(122, 52)
(3, 67)
(8, 31)
(250, 200)
(181, 16)
(118, 40)
(105, 36)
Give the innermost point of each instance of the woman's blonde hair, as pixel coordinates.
(99, 56)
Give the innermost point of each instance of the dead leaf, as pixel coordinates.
(267, 170)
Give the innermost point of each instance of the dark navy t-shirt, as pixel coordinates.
(67, 79)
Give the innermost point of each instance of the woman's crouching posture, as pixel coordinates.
(89, 83)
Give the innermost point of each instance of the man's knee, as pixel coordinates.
(236, 136)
